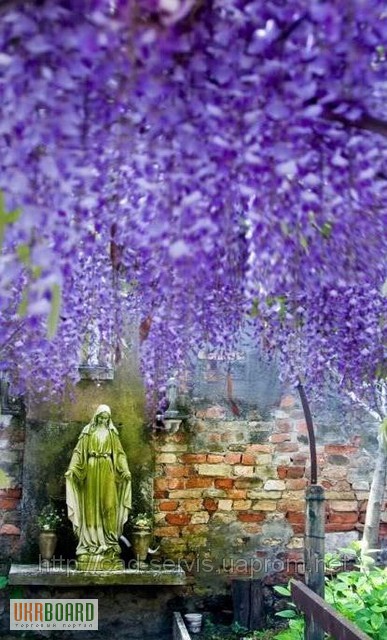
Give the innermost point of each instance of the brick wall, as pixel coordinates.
(231, 492)
(12, 435)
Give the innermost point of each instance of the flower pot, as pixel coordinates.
(47, 544)
(194, 622)
(141, 540)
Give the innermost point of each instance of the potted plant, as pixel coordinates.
(49, 519)
(141, 536)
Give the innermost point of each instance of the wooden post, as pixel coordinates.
(314, 551)
(247, 599)
(314, 524)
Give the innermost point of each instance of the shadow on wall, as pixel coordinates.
(51, 434)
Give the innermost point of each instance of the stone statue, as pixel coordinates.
(98, 493)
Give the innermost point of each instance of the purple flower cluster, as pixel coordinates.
(191, 166)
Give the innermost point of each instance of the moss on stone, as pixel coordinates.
(5, 480)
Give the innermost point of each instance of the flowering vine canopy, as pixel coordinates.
(191, 166)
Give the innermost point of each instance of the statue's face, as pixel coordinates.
(103, 418)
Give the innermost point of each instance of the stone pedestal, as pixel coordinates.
(131, 604)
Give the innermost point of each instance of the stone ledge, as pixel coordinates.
(180, 631)
(32, 574)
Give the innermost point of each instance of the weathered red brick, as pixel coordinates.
(342, 449)
(297, 520)
(9, 530)
(282, 425)
(159, 495)
(199, 482)
(295, 472)
(161, 484)
(215, 458)
(295, 516)
(176, 483)
(275, 438)
(287, 446)
(168, 505)
(232, 458)
(297, 484)
(193, 458)
(224, 483)
(177, 471)
(343, 517)
(237, 494)
(10, 493)
(257, 516)
(301, 427)
(247, 458)
(179, 519)
(258, 448)
(287, 402)
(9, 503)
(210, 504)
(299, 457)
(282, 472)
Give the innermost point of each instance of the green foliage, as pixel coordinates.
(266, 634)
(295, 630)
(362, 598)
(6, 217)
(3, 582)
(212, 631)
(332, 562)
(141, 521)
(283, 591)
(53, 316)
(50, 518)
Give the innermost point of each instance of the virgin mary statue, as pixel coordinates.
(98, 493)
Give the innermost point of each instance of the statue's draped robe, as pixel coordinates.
(98, 491)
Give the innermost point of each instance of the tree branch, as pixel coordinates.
(366, 122)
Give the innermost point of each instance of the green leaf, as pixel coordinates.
(377, 620)
(23, 306)
(326, 230)
(53, 317)
(287, 613)
(284, 591)
(6, 217)
(36, 271)
(3, 582)
(304, 242)
(24, 253)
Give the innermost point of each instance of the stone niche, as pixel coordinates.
(52, 431)
(132, 603)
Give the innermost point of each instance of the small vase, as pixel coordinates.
(141, 540)
(47, 545)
